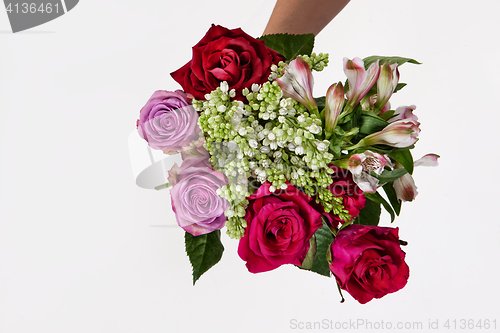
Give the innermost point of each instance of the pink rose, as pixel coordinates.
(168, 121)
(368, 262)
(344, 186)
(197, 206)
(279, 226)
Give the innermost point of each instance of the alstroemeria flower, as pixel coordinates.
(387, 81)
(400, 134)
(298, 82)
(334, 103)
(404, 112)
(360, 80)
(368, 104)
(362, 164)
(405, 187)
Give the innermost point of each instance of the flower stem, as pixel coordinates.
(163, 186)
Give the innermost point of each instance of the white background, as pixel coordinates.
(79, 246)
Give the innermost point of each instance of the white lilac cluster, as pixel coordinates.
(268, 138)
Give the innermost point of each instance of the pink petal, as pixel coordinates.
(427, 160)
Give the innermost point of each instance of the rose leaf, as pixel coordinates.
(324, 239)
(290, 46)
(378, 198)
(203, 251)
(311, 253)
(370, 215)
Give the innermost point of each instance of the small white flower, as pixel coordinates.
(277, 154)
(265, 116)
(314, 129)
(232, 93)
(242, 131)
(271, 136)
(291, 147)
(273, 145)
(322, 146)
(295, 160)
(221, 108)
(299, 150)
(298, 140)
(224, 87)
(272, 188)
(301, 172)
(265, 150)
(295, 175)
(253, 143)
(229, 213)
(301, 119)
(255, 88)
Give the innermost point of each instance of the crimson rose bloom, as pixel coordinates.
(279, 226)
(343, 186)
(368, 262)
(226, 55)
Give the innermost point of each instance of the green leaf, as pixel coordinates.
(387, 114)
(399, 87)
(380, 199)
(290, 46)
(393, 198)
(324, 239)
(371, 123)
(383, 59)
(336, 140)
(403, 157)
(352, 119)
(204, 251)
(309, 259)
(320, 102)
(370, 215)
(389, 176)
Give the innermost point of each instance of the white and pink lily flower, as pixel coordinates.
(334, 103)
(360, 80)
(368, 104)
(427, 160)
(298, 82)
(400, 134)
(386, 84)
(405, 187)
(404, 112)
(362, 164)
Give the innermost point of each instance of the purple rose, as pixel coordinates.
(168, 121)
(198, 208)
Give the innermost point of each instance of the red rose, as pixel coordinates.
(368, 262)
(226, 55)
(279, 226)
(343, 186)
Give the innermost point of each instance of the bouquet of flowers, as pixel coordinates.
(296, 179)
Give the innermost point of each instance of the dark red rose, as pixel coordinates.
(279, 226)
(368, 262)
(226, 55)
(343, 186)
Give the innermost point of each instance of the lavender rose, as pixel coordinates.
(198, 208)
(168, 121)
